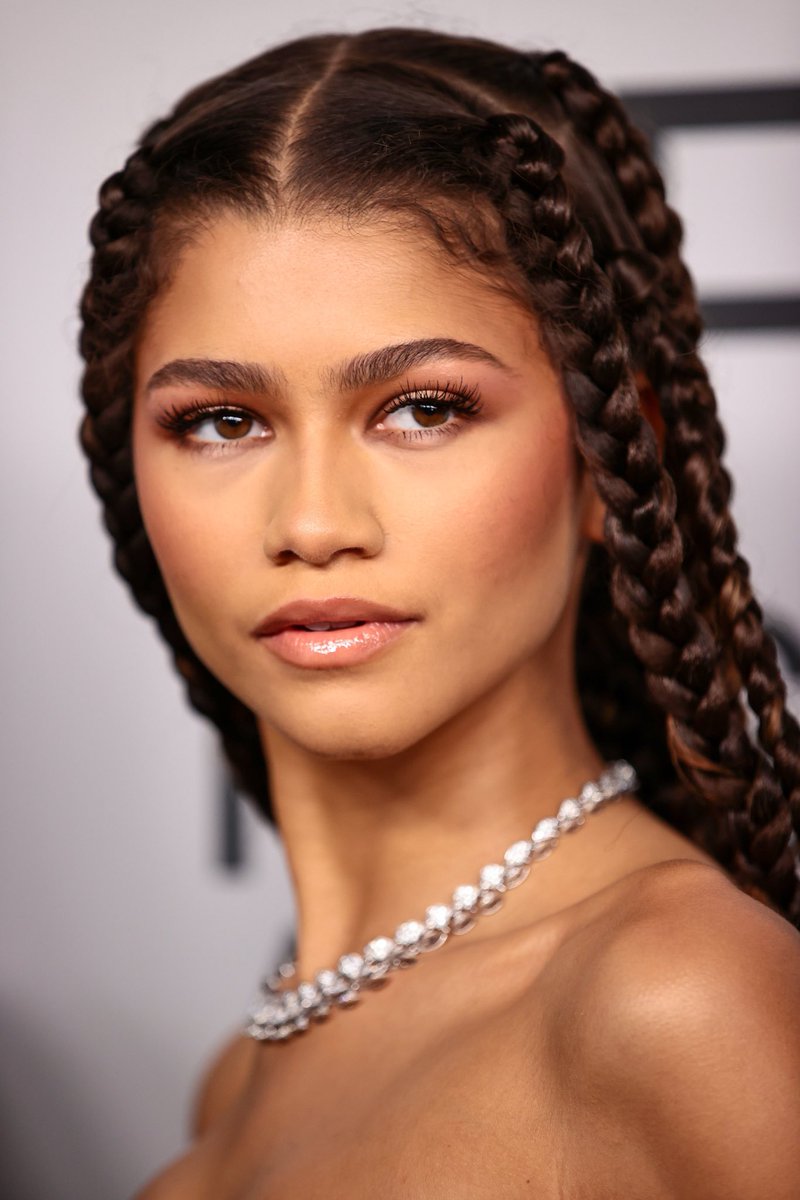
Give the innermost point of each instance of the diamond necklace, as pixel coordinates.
(282, 1012)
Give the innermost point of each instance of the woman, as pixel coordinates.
(397, 417)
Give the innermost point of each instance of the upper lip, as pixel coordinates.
(319, 612)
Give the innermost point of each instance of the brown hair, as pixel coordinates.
(524, 165)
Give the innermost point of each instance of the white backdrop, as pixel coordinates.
(128, 954)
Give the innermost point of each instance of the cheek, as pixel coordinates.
(198, 538)
(525, 523)
(192, 552)
(509, 531)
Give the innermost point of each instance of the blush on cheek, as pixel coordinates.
(192, 557)
(173, 537)
(522, 514)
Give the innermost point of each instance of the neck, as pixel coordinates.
(371, 843)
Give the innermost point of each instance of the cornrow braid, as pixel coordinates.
(656, 291)
(601, 119)
(670, 636)
(111, 304)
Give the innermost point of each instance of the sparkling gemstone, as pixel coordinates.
(408, 940)
(518, 855)
(408, 937)
(626, 779)
(545, 837)
(465, 898)
(409, 933)
(379, 950)
(492, 881)
(493, 878)
(437, 916)
(606, 784)
(570, 815)
(619, 777)
(591, 797)
(350, 966)
(378, 958)
(301, 1022)
(348, 997)
(329, 983)
(308, 994)
(321, 1010)
(291, 1005)
(268, 1013)
(259, 1032)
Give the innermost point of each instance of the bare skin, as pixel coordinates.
(492, 1071)
(396, 778)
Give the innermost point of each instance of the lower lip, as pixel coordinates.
(334, 647)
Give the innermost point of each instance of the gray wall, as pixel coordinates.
(127, 953)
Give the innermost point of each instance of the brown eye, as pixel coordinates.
(203, 426)
(426, 413)
(232, 426)
(422, 414)
(429, 415)
(225, 425)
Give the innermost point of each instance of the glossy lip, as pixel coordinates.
(334, 609)
(379, 627)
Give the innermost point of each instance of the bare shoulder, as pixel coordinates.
(222, 1082)
(686, 1023)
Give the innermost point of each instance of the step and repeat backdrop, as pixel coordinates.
(140, 899)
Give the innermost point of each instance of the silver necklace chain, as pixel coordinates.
(281, 1012)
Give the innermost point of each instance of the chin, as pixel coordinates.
(354, 732)
(345, 743)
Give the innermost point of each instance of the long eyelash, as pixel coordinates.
(461, 397)
(182, 419)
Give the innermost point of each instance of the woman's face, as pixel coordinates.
(382, 426)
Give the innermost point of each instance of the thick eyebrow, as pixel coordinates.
(216, 373)
(375, 366)
(379, 366)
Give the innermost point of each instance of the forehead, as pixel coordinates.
(321, 288)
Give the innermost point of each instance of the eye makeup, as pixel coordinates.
(428, 409)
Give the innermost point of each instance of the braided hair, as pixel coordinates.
(523, 165)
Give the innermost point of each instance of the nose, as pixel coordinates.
(321, 505)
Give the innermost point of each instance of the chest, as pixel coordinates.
(450, 1085)
(472, 1116)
